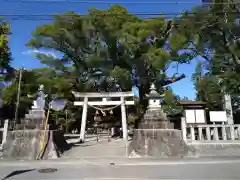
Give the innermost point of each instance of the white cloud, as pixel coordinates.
(34, 51)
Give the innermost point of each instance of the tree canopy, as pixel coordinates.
(103, 50)
(104, 46)
(215, 37)
(5, 55)
(112, 50)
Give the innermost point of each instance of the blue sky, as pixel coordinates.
(21, 28)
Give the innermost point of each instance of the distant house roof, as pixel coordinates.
(190, 102)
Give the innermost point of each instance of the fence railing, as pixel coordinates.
(3, 132)
(210, 132)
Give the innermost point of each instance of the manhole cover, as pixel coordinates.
(47, 170)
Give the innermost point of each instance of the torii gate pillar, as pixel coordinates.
(84, 119)
(124, 119)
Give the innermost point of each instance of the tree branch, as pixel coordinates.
(228, 48)
(170, 80)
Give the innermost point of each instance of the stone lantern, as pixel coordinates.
(154, 101)
(35, 118)
(156, 136)
(154, 117)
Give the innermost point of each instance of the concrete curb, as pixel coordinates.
(122, 161)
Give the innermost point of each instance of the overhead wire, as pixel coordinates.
(165, 15)
(82, 16)
(115, 2)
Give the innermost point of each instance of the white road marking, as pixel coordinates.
(178, 163)
(114, 178)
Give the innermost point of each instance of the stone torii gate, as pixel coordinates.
(105, 102)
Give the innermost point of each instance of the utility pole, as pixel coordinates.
(18, 95)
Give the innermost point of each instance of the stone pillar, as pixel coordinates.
(228, 108)
(124, 119)
(112, 131)
(84, 119)
(184, 128)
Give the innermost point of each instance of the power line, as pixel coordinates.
(154, 15)
(122, 14)
(98, 2)
(114, 2)
(51, 17)
(104, 15)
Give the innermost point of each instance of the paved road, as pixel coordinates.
(125, 169)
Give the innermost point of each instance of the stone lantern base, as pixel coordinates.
(35, 119)
(156, 137)
(155, 119)
(158, 143)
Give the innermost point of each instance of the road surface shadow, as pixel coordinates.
(17, 172)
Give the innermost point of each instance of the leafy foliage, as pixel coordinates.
(28, 86)
(104, 46)
(208, 89)
(55, 85)
(109, 43)
(171, 103)
(99, 50)
(6, 71)
(215, 37)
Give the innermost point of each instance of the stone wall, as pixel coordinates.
(158, 143)
(162, 143)
(216, 149)
(26, 144)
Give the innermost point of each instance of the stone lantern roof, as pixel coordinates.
(153, 93)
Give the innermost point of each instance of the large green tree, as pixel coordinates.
(28, 85)
(55, 85)
(214, 35)
(6, 70)
(171, 103)
(104, 46)
(208, 89)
